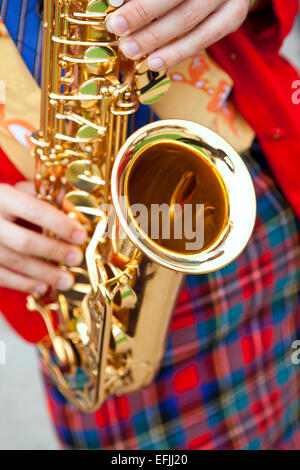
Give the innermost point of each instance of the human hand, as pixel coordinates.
(23, 252)
(147, 27)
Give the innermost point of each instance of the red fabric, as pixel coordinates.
(262, 93)
(263, 90)
(8, 172)
(13, 303)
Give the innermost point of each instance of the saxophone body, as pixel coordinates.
(106, 336)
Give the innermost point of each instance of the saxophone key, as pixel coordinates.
(83, 205)
(84, 175)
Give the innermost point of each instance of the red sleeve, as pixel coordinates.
(8, 172)
(269, 28)
(13, 303)
(285, 13)
(262, 91)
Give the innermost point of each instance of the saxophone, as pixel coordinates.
(106, 335)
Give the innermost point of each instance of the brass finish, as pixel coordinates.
(113, 323)
(189, 180)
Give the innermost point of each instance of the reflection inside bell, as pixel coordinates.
(185, 200)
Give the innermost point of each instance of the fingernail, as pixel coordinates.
(79, 236)
(117, 24)
(156, 64)
(130, 48)
(74, 258)
(41, 289)
(65, 282)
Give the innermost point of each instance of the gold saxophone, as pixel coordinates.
(106, 336)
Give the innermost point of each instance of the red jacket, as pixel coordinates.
(262, 93)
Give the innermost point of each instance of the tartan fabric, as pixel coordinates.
(226, 380)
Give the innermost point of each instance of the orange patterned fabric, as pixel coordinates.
(201, 92)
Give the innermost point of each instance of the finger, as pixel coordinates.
(180, 20)
(26, 187)
(138, 13)
(21, 283)
(33, 268)
(19, 204)
(31, 243)
(223, 21)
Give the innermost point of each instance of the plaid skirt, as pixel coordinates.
(227, 379)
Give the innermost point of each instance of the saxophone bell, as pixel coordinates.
(179, 162)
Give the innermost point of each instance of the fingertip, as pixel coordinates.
(74, 257)
(156, 64)
(130, 48)
(65, 282)
(117, 24)
(40, 289)
(79, 236)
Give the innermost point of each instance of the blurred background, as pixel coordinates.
(24, 423)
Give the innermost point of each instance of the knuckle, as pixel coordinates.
(23, 243)
(3, 256)
(179, 55)
(32, 206)
(141, 12)
(55, 220)
(56, 251)
(204, 39)
(68, 228)
(152, 39)
(190, 17)
(10, 258)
